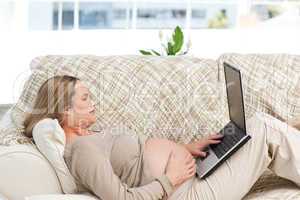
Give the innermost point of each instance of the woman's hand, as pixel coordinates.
(179, 170)
(196, 148)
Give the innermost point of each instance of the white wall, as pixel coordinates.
(18, 48)
(43, 12)
(6, 16)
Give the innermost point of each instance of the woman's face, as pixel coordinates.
(81, 113)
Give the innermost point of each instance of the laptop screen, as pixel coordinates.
(235, 96)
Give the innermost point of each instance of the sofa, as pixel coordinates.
(181, 98)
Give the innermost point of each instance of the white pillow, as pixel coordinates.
(50, 140)
(61, 197)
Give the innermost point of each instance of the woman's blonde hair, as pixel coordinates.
(53, 98)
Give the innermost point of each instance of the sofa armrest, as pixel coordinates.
(25, 172)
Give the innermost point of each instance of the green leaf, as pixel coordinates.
(178, 39)
(170, 49)
(147, 53)
(155, 52)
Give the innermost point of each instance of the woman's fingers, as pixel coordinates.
(190, 167)
(191, 164)
(192, 171)
(214, 141)
(202, 153)
(192, 161)
(215, 136)
(188, 156)
(189, 159)
(207, 142)
(199, 152)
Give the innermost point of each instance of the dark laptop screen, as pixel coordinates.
(235, 96)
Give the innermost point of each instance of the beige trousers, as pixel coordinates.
(273, 145)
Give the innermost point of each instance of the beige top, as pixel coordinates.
(111, 166)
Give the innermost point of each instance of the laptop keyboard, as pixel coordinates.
(232, 135)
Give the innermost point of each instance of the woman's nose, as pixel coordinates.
(93, 103)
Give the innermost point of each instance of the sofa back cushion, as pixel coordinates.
(9, 133)
(271, 83)
(180, 98)
(171, 97)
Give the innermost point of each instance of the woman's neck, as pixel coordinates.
(74, 132)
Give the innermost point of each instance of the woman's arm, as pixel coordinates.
(95, 172)
(196, 148)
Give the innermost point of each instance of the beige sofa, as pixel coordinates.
(181, 98)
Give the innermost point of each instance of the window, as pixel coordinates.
(160, 15)
(67, 15)
(265, 11)
(213, 15)
(94, 15)
(269, 9)
(100, 15)
(151, 14)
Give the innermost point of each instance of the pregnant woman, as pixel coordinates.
(118, 165)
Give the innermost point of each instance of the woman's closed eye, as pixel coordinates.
(85, 97)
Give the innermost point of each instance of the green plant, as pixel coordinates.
(173, 46)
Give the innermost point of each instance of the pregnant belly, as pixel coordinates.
(157, 152)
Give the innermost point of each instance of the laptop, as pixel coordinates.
(234, 133)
